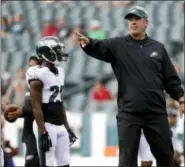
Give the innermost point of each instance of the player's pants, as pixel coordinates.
(157, 133)
(144, 149)
(2, 157)
(59, 153)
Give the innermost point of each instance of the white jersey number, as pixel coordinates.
(57, 91)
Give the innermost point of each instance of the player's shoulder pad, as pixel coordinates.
(33, 73)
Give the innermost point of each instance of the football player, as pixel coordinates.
(46, 91)
(13, 112)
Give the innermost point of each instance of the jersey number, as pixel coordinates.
(56, 90)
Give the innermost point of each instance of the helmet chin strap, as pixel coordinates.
(47, 59)
(56, 62)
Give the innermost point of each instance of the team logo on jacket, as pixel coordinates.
(154, 54)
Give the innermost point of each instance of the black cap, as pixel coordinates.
(137, 11)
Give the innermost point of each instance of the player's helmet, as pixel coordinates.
(51, 49)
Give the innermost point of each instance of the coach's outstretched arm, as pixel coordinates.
(99, 49)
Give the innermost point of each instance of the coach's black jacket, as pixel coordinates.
(143, 70)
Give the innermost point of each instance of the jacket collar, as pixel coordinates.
(133, 40)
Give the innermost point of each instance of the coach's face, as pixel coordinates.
(137, 25)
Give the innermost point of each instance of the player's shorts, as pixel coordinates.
(144, 149)
(59, 153)
(2, 157)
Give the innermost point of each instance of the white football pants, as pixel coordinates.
(59, 153)
(144, 149)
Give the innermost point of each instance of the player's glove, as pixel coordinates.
(45, 142)
(72, 137)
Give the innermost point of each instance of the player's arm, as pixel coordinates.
(72, 136)
(36, 99)
(66, 124)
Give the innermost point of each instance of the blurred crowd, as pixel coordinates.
(12, 25)
(13, 88)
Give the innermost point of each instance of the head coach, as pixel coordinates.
(144, 72)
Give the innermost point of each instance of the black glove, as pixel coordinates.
(72, 136)
(45, 142)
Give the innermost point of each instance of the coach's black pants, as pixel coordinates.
(157, 132)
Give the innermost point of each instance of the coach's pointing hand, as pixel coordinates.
(82, 39)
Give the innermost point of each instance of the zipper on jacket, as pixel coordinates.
(141, 47)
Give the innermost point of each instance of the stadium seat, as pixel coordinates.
(106, 69)
(4, 61)
(12, 44)
(92, 69)
(178, 13)
(162, 33)
(176, 33)
(29, 5)
(5, 10)
(16, 61)
(113, 86)
(76, 102)
(77, 67)
(90, 13)
(163, 13)
(3, 44)
(25, 42)
(16, 6)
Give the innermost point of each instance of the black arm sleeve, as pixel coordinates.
(27, 108)
(100, 49)
(172, 82)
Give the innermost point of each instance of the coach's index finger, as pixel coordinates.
(79, 34)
